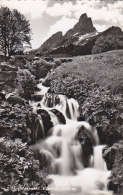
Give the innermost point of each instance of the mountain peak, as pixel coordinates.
(84, 26)
(82, 17)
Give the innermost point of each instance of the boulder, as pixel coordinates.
(40, 68)
(59, 115)
(36, 97)
(87, 146)
(46, 119)
(34, 123)
(114, 160)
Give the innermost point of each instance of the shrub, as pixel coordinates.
(107, 43)
(97, 105)
(25, 82)
(14, 118)
(20, 172)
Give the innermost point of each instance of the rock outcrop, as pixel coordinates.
(86, 144)
(114, 160)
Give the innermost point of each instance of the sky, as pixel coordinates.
(47, 17)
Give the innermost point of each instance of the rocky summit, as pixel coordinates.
(84, 26)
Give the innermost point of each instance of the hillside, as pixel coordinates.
(105, 69)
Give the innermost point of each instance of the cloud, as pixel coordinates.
(36, 8)
(52, 2)
(64, 24)
(111, 13)
(58, 9)
(100, 28)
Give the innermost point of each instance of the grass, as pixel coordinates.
(105, 69)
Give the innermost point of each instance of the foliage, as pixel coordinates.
(14, 117)
(116, 180)
(14, 31)
(104, 111)
(71, 85)
(107, 43)
(19, 171)
(97, 105)
(26, 83)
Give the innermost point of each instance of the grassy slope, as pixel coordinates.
(105, 69)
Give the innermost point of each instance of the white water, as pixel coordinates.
(64, 153)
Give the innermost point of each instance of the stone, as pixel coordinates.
(36, 97)
(86, 143)
(46, 120)
(114, 160)
(59, 115)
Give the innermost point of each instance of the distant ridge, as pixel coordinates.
(79, 40)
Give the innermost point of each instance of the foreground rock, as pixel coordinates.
(114, 160)
(87, 145)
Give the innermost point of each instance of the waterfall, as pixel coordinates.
(58, 118)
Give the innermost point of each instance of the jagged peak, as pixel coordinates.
(83, 16)
(83, 26)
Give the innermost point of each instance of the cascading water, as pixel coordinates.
(68, 174)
